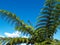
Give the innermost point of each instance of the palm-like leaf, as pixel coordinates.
(46, 24)
(18, 41)
(19, 24)
(49, 17)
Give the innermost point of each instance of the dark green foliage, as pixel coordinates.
(46, 26)
(47, 21)
(19, 24)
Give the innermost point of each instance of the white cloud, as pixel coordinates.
(14, 34)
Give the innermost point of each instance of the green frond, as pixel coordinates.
(19, 24)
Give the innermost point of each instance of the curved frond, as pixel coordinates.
(19, 24)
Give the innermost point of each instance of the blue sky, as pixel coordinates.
(25, 9)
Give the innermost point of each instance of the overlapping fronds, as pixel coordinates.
(19, 24)
(46, 24)
(18, 40)
(47, 21)
(12, 41)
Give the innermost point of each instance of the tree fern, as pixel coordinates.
(46, 22)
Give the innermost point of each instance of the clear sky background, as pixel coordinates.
(25, 9)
